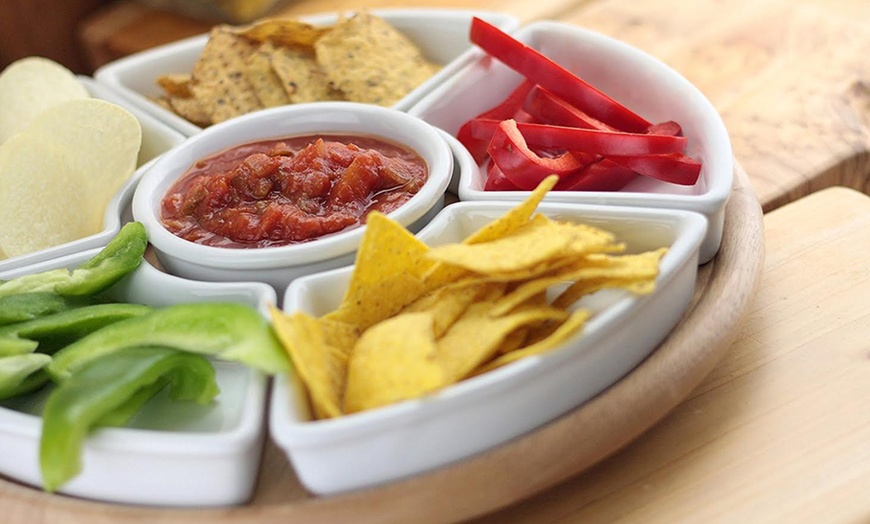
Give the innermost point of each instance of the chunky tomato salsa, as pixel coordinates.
(290, 190)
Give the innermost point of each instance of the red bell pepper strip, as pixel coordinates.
(497, 181)
(602, 175)
(547, 108)
(604, 143)
(508, 108)
(522, 166)
(666, 128)
(675, 168)
(548, 74)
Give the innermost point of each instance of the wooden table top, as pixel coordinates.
(778, 431)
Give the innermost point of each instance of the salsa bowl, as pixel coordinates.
(637, 80)
(384, 444)
(279, 264)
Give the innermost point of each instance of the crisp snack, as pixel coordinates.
(370, 62)
(407, 331)
(78, 152)
(218, 80)
(279, 61)
(30, 86)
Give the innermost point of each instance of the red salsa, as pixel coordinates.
(290, 190)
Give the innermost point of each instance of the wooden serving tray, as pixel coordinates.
(511, 472)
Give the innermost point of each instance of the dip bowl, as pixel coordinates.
(637, 80)
(396, 441)
(278, 265)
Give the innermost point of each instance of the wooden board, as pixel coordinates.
(789, 77)
(489, 481)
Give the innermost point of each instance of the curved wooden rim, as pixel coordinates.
(513, 471)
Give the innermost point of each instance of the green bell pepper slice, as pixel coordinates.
(99, 388)
(116, 260)
(55, 331)
(28, 306)
(225, 330)
(19, 374)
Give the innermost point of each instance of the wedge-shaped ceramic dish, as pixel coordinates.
(381, 445)
(157, 138)
(641, 82)
(442, 35)
(170, 454)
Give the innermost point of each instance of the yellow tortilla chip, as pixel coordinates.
(282, 31)
(532, 244)
(320, 366)
(459, 356)
(301, 76)
(369, 61)
(176, 85)
(387, 276)
(190, 109)
(393, 361)
(560, 335)
(263, 79)
(218, 80)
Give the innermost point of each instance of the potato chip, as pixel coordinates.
(301, 76)
(78, 151)
(30, 86)
(448, 303)
(263, 79)
(390, 264)
(393, 361)
(218, 80)
(320, 366)
(369, 61)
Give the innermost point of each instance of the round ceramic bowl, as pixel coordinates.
(278, 265)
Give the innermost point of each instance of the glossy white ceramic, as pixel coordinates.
(641, 82)
(171, 454)
(390, 443)
(279, 265)
(156, 139)
(441, 34)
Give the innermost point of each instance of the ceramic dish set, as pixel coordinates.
(210, 457)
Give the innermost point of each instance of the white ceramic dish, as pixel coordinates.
(279, 265)
(377, 446)
(170, 455)
(627, 74)
(441, 34)
(156, 139)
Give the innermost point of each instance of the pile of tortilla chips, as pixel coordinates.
(416, 319)
(63, 156)
(283, 61)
